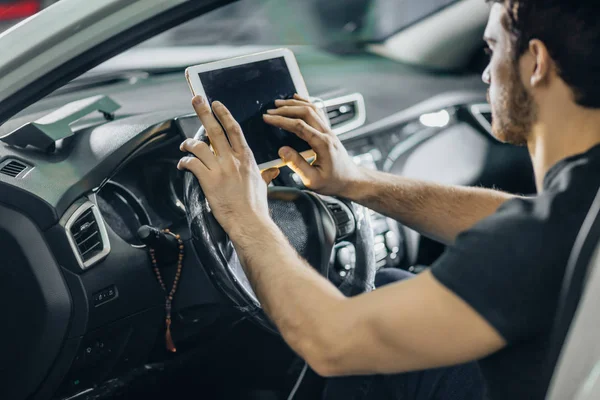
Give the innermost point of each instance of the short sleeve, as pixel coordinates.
(509, 268)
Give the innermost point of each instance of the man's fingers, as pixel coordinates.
(269, 174)
(233, 129)
(298, 164)
(298, 97)
(314, 138)
(306, 113)
(213, 129)
(193, 165)
(296, 103)
(201, 151)
(293, 102)
(299, 101)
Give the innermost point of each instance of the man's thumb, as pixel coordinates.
(269, 174)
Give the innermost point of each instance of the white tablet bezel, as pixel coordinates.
(192, 75)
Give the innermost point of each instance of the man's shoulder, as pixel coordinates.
(569, 190)
(554, 215)
(509, 266)
(517, 221)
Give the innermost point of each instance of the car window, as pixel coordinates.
(293, 22)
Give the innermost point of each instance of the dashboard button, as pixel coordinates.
(376, 154)
(346, 257)
(392, 241)
(104, 295)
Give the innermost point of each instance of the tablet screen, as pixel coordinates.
(248, 91)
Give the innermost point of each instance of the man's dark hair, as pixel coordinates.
(570, 29)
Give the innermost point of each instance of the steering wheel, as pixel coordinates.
(312, 223)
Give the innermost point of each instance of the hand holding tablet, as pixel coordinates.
(267, 110)
(249, 86)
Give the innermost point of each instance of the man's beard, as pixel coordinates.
(514, 111)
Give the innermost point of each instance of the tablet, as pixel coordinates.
(248, 86)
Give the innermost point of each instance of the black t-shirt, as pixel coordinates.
(510, 266)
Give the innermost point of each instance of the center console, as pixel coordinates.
(389, 243)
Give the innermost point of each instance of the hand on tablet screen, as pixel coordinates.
(333, 171)
(229, 176)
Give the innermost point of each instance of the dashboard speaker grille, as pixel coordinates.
(13, 168)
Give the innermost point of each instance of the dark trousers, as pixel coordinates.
(462, 382)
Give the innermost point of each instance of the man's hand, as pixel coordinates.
(228, 174)
(333, 172)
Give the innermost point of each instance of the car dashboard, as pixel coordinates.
(71, 216)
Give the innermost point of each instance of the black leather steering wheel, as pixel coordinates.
(312, 223)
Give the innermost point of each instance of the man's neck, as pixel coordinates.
(560, 138)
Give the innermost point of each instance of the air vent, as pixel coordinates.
(488, 116)
(87, 235)
(13, 168)
(483, 115)
(341, 113)
(345, 113)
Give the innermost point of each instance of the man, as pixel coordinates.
(492, 295)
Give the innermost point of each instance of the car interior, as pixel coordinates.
(88, 177)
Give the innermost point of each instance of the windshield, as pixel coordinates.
(305, 22)
(325, 23)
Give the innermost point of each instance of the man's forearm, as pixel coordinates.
(301, 303)
(339, 336)
(438, 211)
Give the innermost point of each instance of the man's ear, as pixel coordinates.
(542, 63)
